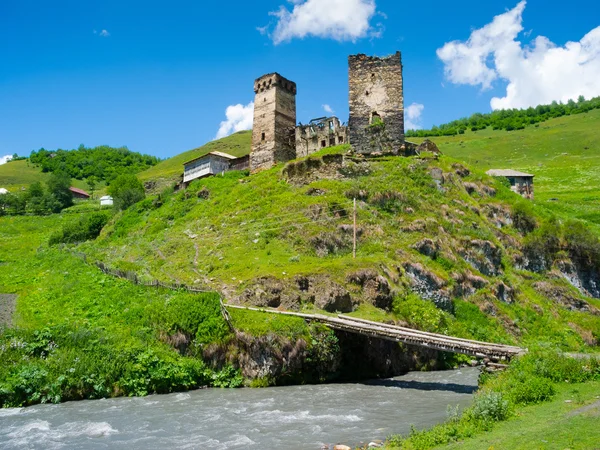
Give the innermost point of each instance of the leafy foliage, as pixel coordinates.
(509, 119)
(126, 190)
(103, 163)
(528, 380)
(84, 228)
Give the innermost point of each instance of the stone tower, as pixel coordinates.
(376, 104)
(273, 130)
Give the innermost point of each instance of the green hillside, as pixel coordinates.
(562, 153)
(170, 170)
(15, 175)
(457, 243)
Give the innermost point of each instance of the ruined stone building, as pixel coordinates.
(376, 122)
(376, 104)
(318, 134)
(273, 130)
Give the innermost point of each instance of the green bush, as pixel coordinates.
(490, 407)
(582, 244)
(126, 190)
(83, 229)
(523, 217)
(531, 389)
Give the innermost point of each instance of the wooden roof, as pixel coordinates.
(78, 191)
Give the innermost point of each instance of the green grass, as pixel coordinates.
(562, 153)
(543, 400)
(169, 170)
(82, 334)
(563, 423)
(16, 175)
(251, 227)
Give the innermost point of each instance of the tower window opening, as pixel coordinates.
(262, 137)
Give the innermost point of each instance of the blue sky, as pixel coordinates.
(159, 76)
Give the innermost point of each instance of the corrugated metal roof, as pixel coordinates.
(221, 154)
(224, 155)
(508, 173)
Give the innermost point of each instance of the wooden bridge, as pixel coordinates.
(494, 352)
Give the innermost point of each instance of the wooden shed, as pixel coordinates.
(213, 163)
(79, 193)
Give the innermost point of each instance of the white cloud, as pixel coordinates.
(536, 74)
(239, 117)
(341, 20)
(412, 116)
(102, 33)
(4, 159)
(328, 109)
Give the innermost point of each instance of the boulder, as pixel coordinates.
(333, 297)
(375, 288)
(428, 285)
(428, 146)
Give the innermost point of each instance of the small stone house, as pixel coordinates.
(213, 163)
(520, 182)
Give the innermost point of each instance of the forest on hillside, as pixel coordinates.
(103, 163)
(509, 119)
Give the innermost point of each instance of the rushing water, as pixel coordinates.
(294, 417)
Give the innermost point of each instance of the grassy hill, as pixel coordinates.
(438, 248)
(170, 170)
(15, 175)
(562, 153)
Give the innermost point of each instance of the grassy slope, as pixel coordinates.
(262, 225)
(567, 422)
(562, 153)
(20, 174)
(237, 144)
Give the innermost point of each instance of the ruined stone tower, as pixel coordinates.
(273, 130)
(376, 104)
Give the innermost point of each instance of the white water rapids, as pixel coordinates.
(291, 417)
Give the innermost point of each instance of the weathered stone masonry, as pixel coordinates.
(376, 104)
(318, 134)
(273, 131)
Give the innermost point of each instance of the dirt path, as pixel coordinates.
(7, 308)
(594, 408)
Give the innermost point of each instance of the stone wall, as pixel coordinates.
(376, 104)
(273, 138)
(318, 134)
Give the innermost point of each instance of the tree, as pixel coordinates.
(92, 182)
(58, 186)
(126, 190)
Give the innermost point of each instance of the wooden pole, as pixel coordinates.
(354, 237)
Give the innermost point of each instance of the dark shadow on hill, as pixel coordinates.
(424, 386)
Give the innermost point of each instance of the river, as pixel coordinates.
(290, 417)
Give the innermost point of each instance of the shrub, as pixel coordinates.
(126, 190)
(541, 246)
(582, 244)
(83, 229)
(523, 217)
(531, 389)
(490, 407)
